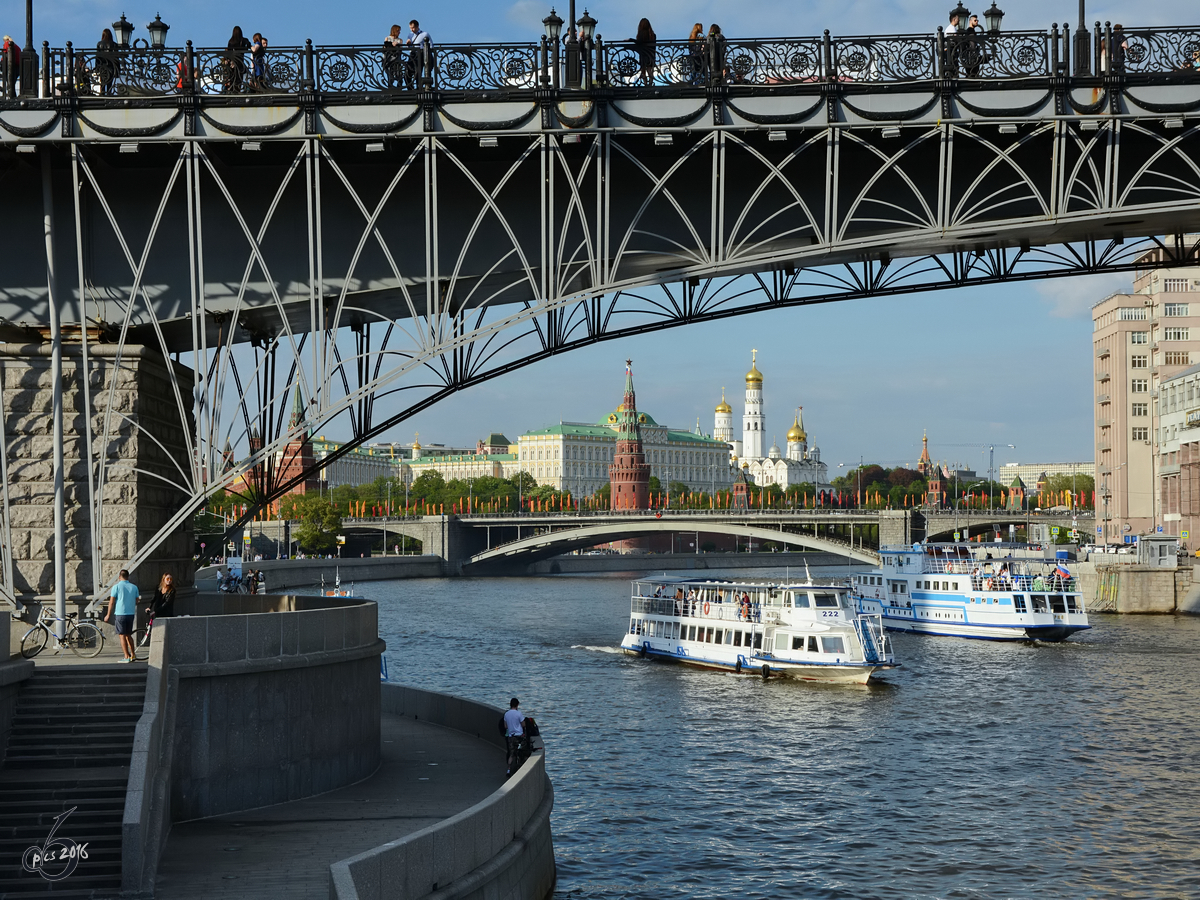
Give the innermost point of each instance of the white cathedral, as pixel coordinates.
(801, 464)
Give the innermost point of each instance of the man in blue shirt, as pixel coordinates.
(124, 597)
(421, 47)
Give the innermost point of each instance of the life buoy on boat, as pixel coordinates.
(706, 608)
(988, 584)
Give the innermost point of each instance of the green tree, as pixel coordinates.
(655, 485)
(319, 524)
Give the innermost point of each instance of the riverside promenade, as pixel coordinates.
(427, 773)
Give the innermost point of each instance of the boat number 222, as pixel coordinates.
(827, 613)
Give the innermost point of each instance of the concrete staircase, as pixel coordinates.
(71, 739)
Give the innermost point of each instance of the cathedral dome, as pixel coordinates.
(796, 434)
(723, 407)
(774, 452)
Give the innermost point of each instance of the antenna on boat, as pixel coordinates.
(807, 574)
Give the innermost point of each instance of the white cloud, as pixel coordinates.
(1073, 298)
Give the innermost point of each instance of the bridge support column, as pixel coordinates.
(446, 537)
(144, 454)
(899, 527)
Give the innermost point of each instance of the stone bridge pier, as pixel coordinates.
(142, 487)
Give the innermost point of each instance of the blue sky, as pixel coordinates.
(1004, 364)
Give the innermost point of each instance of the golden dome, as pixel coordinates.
(796, 433)
(724, 407)
(754, 376)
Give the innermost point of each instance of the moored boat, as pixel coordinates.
(970, 590)
(805, 631)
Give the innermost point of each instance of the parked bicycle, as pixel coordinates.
(83, 639)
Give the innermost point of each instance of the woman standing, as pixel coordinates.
(696, 52)
(645, 43)
(393, 58)
(235, 61)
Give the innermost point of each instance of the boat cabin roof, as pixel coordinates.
(667, 581)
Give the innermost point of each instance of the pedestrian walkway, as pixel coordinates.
(427, 774)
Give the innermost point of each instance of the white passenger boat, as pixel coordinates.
(970, 590)
(807, 631)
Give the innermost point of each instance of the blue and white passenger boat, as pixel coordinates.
(809, 632)
(969, 590)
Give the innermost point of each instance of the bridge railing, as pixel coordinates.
(753, 62)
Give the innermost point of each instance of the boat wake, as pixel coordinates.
(596, 649)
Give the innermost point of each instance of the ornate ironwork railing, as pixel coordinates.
(143, 71)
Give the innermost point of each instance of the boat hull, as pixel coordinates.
(1047, 633)
(827, 674)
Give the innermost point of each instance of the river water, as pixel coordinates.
(975, 770)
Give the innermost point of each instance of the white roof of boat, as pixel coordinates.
(719, 583)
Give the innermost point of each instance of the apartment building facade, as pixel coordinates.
(1140, 340)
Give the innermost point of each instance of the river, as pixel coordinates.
(976, 770)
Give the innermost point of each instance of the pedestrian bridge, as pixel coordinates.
(338, 236)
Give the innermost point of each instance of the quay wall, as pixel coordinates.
(571, 564)
(499, 849)
(1138, 589)
(278, 700)
(305, 574)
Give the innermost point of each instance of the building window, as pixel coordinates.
(1140, 409)
(1175, 334)
(1132, 313)
(1176, 358)
(1174, 286)
(1141, 434)
(1139, 362)
(1139, 337)
(1139, 386)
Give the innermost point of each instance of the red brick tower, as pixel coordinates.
(629, 474)
(298, 457)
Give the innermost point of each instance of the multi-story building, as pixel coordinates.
(1140, 339)
(1178, 450)
(361, 465)
(1031, 474)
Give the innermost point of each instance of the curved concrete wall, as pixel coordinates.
(499, 849)
(277, 701)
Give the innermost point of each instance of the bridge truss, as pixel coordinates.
(376, 267)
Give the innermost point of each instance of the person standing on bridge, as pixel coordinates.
(234, 60)
(10, 63)
(646, 44)
(696, 52)
(418, 57)
(393, 58)
(123, 599)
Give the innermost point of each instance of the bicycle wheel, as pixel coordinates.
(33, 642)
(85, 640)
(141, 644)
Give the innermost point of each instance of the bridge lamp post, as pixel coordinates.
(123, 31)
(587, 27)
(553, 24)
(158, 33)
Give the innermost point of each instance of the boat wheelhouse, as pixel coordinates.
(970, 590)
(809, 632)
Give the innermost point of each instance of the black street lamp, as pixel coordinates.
(553, 24)
(158, 33)
(994, 16)
(123, 31)
(29, 59)
(587, 27)
(961, 13)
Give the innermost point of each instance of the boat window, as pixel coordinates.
(729, 636)
(708, 638)
(737, 639)
(1072, 605)
(633, 626)
(691, 632)
(1018, 603)
(781, 641)
(1056, 603)
(833, 645)
(802, 601)
(787, 599)
(812, 644)
(797, 642)
(1038, 602)
(825, 601)
(720, 636)
(758, 640)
